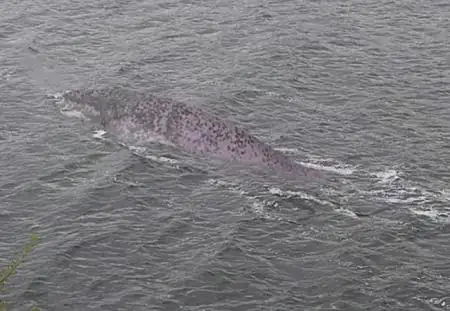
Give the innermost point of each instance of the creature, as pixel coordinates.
(145, 118)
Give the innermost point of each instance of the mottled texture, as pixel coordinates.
(145, 118)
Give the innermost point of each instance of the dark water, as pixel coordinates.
(359, 89)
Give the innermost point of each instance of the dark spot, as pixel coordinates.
(33, 49)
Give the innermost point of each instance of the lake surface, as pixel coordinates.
(357, 89)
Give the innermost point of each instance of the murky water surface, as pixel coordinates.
(359, 89)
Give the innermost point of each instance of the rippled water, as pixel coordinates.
(359, 89)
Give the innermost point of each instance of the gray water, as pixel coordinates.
(358, 89)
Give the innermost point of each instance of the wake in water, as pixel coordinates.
(387, 186)
(139, 120)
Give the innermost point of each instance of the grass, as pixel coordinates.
(9, 271)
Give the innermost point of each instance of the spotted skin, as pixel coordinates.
(147, 118)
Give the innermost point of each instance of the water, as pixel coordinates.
(359, 89)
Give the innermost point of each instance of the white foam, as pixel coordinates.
(390, 187)
(324, 164)
(6, 74)
(346, 212)
(161, 159)
(64, 110)
(407, 195)
(445, 194)
(335, 168)
(221, 183)
(257, 205)
(386, 176)
(73, 114)
(141, 151)
(138, 150)
(58, 95)
(405, 200)
(433, 214)
(288, 150)
(393, 189)
(259, 208)
(227, 185)
(439, 302)
(99, 134)
(302, 195)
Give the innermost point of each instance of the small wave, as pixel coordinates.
(161, 159)
(330, 165)
(337, 169)
(347, 212)
(302, 195)
(99, 134)
(138, 150)
(392, 187)
(257, 206)
(142, 152)
(57, 96)
(395, 189)
(445, 194)
(73, 114)
(387, 176)
(59, 103)
(440, 302)
(288, 150)
(396, 195)
(323, 164)
(264, 207)
(235, 188)
(6, 74)
(436, 215)
(337, 207)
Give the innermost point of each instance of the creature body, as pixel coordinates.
(147, 118)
